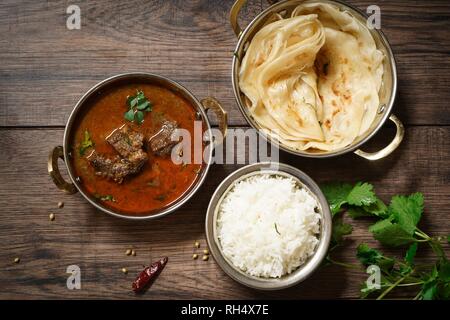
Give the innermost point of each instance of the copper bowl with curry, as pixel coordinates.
(137, 145)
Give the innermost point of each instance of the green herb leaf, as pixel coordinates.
(86, 143)
(368, 256)
(140, 96)
(129, 115)
(429, 290)
(336, 195)
(107, 197)
(362, 195)
(137, 104)
(139, 117)
(357, 212)
(410, 254)
(390, 234)
(366, 291)
(378, 209)
(444, 270)
(339, 230)
(131, 101)
(407, 211)
(397, 226)
(144, 105)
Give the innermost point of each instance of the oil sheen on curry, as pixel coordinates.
(122, 147)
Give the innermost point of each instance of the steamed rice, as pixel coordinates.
(267, 225)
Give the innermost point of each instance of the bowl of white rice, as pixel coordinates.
(268, 226)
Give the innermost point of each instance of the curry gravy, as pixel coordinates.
(160, 182)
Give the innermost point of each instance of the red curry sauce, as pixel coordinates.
(160, 182)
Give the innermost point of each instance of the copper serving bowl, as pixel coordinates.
(63, 152)
(387, 92)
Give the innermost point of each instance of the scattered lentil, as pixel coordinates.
(51, 216)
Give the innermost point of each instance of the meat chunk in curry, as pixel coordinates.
(128, 144)
(162, 142)
(112, 168)
(126, 141)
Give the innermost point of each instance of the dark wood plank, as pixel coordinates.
(46, 68)
(97, 243)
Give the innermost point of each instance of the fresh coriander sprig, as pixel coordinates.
(137, 105)
(396, 226)
(86, 143)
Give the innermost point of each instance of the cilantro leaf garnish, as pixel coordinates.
(86, 143)
(137, 105)
(107, 197)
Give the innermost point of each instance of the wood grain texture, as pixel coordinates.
(97, 243)
(46, 68)
(191, 42)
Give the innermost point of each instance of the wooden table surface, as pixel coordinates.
(44, 70)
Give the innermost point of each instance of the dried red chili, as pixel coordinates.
(148, 275)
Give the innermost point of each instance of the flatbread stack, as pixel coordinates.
(312, 80)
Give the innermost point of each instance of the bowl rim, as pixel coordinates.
(296, 276)
(383, 108)
(79, 106)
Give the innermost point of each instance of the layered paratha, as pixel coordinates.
(312, 80)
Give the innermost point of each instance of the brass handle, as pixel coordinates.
(234, 15)
(390, 147)
(210, 103)
(53, 171)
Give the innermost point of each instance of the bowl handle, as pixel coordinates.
(234, 14)
(53, 171)
(210, 103)
(390, 147)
